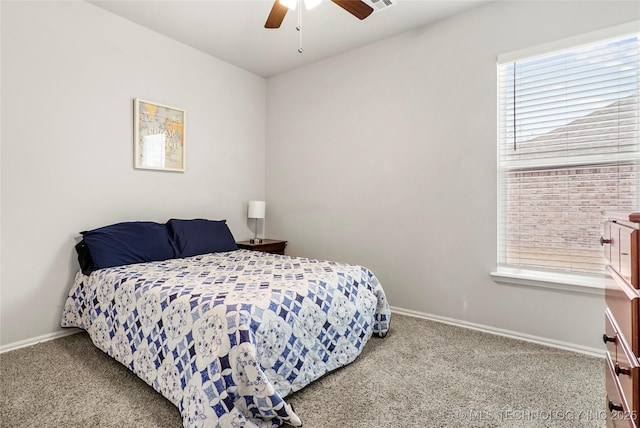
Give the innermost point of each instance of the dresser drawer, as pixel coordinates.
(625, 365)
(622, 250)
(624, 306)
(619, 414)
(610, 337)
(629, 256)
(606, 240)
(627, 371)
(613, 232)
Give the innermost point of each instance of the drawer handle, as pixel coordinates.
(604, 241)
(606, 338)
(613, 406)
(619, 370)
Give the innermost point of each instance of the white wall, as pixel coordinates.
(69, 74)
(386, 156)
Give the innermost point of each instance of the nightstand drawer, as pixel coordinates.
(277, 248)
(274, 246)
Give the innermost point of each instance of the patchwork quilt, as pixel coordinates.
(227, 336)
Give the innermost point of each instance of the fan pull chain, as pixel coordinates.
(299, 27)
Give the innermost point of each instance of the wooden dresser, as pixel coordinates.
(621, 242)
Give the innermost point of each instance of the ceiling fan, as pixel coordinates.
(357, 8)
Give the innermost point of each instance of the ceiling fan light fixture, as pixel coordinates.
(291, 4)
(358, 8)
(310, 4)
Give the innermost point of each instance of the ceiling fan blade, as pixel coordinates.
(278, 11)
(357, 8)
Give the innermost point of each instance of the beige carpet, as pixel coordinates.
(423, 374)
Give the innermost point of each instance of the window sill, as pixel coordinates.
(584, 284)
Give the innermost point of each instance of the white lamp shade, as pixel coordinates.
(256, 209)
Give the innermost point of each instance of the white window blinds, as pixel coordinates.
(568, 148)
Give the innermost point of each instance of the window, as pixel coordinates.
(568, 149)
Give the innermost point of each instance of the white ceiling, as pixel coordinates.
(233, 30)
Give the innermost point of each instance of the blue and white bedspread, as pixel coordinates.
(226, 336)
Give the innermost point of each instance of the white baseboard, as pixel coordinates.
(594, 352)
(44, 338)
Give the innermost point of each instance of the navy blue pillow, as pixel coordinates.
(128, 243)
(200, 236)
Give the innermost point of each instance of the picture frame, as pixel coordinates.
(159, 141)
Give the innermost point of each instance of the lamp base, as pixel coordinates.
(256, 240)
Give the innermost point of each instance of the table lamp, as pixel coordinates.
(256, 211)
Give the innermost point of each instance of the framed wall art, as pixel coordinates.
(159, 136)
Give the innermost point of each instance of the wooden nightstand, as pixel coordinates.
(274, 246)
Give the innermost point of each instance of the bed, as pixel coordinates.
(227, 335)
